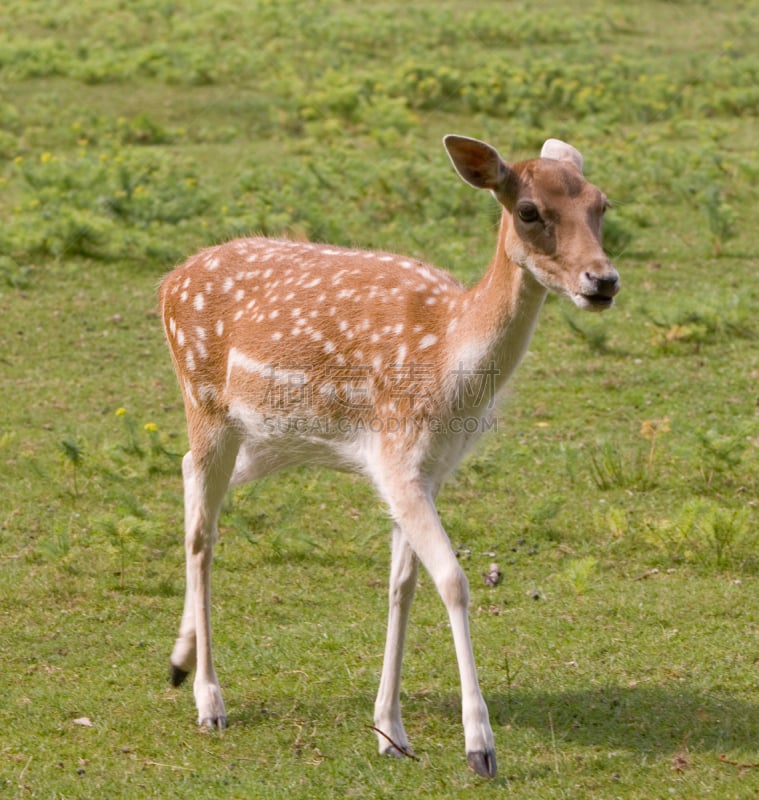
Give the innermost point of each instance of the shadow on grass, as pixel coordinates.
(657, 720)
(642, 719)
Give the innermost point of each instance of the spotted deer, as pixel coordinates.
(293, 353)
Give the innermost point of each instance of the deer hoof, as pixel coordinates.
(482, 762)
(215, 723)
(177, 675)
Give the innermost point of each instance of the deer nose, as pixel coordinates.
(605, 284)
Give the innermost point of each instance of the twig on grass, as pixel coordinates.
(556, 766)
(23, 771)
(404, 751)
(725, 760)
(647, 574)
(167, 766)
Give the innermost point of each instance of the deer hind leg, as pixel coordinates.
(412, 506)
(206, 472)
(387, 708)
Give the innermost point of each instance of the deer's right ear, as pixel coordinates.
(477, 162)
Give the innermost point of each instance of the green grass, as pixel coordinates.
(618, 495)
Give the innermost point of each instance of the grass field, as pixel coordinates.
(620, 653)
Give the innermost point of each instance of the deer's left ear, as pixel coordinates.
(561, 151)
(477, 162)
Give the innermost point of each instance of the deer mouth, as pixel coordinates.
(593, 302)
(599, 301)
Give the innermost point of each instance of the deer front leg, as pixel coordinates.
(204, 492)
(414, 511)
(387, 708)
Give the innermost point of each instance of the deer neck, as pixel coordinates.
(501, 312)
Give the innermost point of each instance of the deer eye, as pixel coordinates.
(528, 212)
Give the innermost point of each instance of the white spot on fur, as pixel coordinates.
(199, 302)
(190, 394)
(207, 393)
(427, 341)
(219, 327)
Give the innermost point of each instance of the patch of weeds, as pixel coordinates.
(701, 327)
(727, 536)
(102, 206)
(126, 535)
(73, 455)
(13, 274)
(613, 468)
(720, 455)
(705, 533)
(57, 548)
(144, 443)
(578, 574)
(133, 445)
(612, 524)
(540, 519)
(720, 216)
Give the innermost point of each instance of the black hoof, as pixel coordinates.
(177, 676)
(482, 763)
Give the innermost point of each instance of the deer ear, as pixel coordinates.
(477, 162)
(561, 151)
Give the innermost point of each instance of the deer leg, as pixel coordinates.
(205, 483)
(387, 708)
(413, 510)
(183, 657)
